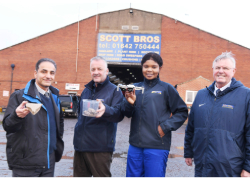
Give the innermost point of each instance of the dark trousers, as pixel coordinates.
(36, 172)
(87, 164)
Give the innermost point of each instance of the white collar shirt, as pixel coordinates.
(223, 88)
(40, 90)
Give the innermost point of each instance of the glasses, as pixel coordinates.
(217, 68)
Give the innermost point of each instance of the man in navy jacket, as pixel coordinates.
(218, 131)
(95, 137)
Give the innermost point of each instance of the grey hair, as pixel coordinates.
(225, 55)
(97, 58)
(45, 60)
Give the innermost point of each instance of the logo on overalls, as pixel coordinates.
(227, 106)
(156, 92)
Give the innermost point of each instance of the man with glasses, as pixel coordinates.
(218, 132)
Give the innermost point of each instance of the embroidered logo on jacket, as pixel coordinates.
(201, 104)
(227, 106)
(156, 92)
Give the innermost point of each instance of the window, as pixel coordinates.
(65, 98)
(190, 96)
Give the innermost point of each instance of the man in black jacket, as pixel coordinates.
(94, 137)
(34, 140)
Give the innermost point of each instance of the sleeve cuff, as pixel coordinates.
(106, 110)
(14, 115)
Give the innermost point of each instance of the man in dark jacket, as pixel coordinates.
(218, 131)
(34, 141)
(95, 137)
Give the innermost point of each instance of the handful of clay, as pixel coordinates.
(33, 107)
(90, 112)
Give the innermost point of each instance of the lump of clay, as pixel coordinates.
(33, 107)
(90, 112)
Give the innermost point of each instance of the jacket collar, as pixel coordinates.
(234, 84)
(99, 85)
(152, 82)
(32, 91)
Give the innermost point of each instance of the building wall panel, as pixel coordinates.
(187, 52)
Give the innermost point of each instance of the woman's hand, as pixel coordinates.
(130, 96)
(161, 131)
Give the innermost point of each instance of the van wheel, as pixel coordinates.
(76, 114)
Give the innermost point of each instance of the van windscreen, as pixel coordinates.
(65, 98)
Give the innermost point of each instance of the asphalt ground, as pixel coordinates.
(176, 166)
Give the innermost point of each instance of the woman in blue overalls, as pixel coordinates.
(155, 112)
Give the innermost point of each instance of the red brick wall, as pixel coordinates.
(59, 45)
(188, 52)
(192, 85)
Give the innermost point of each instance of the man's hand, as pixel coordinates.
(130, 96)
(161, 131)
(101, 109)
(244, 173)
(21, 111)
(189, 161)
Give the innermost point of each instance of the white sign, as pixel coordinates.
(6, 93)
(72, 86)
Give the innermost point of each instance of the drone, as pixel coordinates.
(129, 88)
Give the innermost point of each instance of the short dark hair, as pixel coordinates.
(45, 60)
(152, 56)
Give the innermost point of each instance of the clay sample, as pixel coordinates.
(33, 107)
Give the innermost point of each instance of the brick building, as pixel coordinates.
(189, 89)
(187, 51)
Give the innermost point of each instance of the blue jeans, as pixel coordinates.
(144, 162)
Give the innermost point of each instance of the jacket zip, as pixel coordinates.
(92, 98)
(30, 98)
(48, 137)
(140, 118)
(208, 133)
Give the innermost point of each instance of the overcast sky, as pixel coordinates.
(21, 20)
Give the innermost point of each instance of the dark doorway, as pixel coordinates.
(125, 74)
